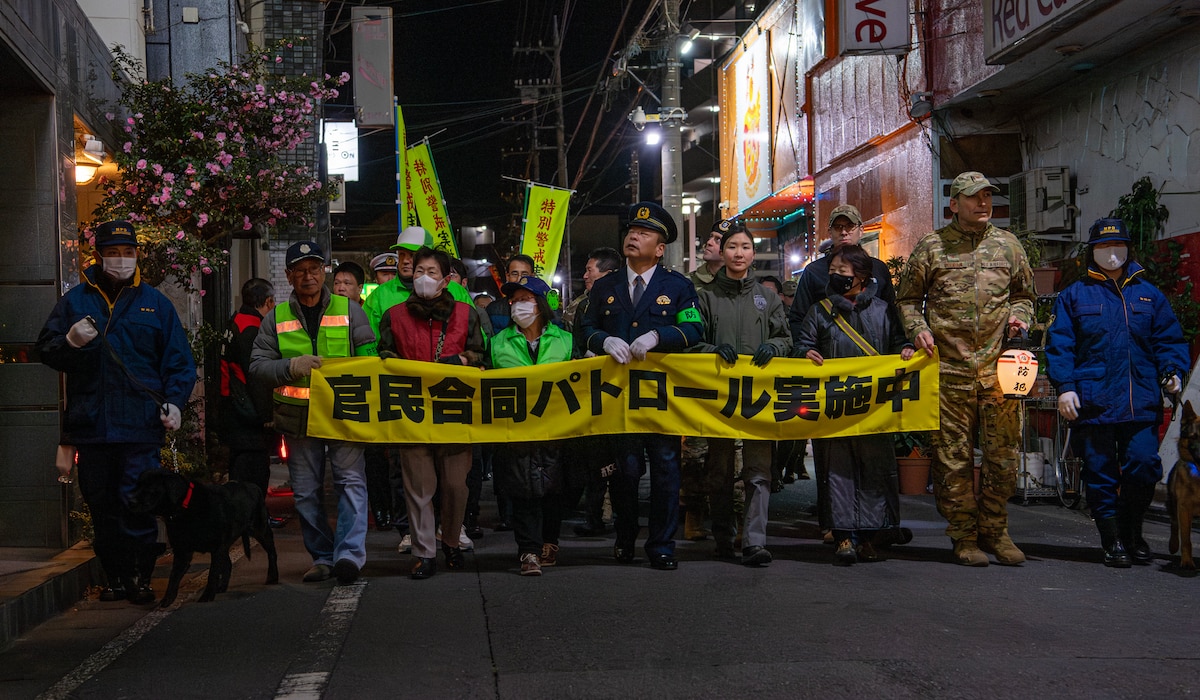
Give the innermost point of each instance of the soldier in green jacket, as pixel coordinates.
(964, 288)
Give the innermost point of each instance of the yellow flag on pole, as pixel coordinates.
(427, 198)
(406, 215)
(545, 221)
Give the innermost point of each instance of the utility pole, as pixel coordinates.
(672, 123)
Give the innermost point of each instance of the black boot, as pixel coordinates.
(145, 557)
(1131, 512)
(117, 568)
(1115, 555)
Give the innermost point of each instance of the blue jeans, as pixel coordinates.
(306, 468)
(1116, 455)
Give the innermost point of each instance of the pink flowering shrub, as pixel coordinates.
(213, 157)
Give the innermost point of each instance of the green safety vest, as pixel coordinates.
(333, 340)
(510, 349)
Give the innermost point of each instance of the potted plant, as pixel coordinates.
(914, 457)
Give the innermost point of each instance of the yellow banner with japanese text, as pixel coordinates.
(368, 399)
(545, 222)
(427, 199)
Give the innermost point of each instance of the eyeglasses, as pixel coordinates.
(842, 228)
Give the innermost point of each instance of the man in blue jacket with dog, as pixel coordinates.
(129, 370)
(1114, 348)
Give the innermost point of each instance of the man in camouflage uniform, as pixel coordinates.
(964, 287)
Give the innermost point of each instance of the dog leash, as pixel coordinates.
(159, 399)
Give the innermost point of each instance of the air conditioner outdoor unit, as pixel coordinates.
(1040, 202)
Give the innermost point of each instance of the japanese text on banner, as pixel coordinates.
(545, 221)
(427, 198)
(396, 401)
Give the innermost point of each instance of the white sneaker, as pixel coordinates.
(405, 545)
(464, 542)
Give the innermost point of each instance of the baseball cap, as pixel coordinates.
(413, 238)
(534, 284)
(847, 210)
(385, 261)
(728, 226)
(304, 250)
(654, 217)
(115, 233)
(1108, 231)
(969, 183)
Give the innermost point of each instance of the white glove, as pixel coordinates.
(1068, 405)
(643, 344)
(170, 417)
(1174, 384)
(303, 365)
(82, 333)
(617, 349)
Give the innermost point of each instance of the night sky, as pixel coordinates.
(455, 70)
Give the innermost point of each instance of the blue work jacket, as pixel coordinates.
(104, 405)
(1112, 342)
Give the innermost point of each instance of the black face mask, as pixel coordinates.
(840, 283)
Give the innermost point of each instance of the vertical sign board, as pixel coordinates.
(752, 131)
(874, 26)
(341, 149)
(372, 56)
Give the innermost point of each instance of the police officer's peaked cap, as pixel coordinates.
(654, 217)
(115, 233)
(388, 262)
(304, 250)
(1108, 231)
(413, 238)
(969, 183)
(724, 227)
(534, 284)
(847, 210)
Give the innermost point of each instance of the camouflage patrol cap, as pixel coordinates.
(969, 183)
(789, 288)
(847, 210)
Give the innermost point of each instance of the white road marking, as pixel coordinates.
(309, 672)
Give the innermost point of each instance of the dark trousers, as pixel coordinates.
(584, 459)
(379, 491)
(475, 483)
(536, 521)
(251, 466)
(632, 454)
(107, 477)
(1116, 457)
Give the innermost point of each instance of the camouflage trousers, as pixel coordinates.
(968, 415)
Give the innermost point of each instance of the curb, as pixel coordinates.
(32, 597)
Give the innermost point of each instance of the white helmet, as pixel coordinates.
(412, 238)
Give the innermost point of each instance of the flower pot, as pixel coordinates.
(914, 474)
(1045, 279)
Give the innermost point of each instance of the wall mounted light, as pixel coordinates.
(85, 173)
(921, 104)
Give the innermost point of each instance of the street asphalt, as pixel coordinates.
(915, 625)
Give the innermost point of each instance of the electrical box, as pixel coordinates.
(1040, 202)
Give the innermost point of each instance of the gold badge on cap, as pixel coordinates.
(663, 300)
(643, 213)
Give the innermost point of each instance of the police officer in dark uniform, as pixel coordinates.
(640, 308)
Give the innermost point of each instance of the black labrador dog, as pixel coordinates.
(205, 518)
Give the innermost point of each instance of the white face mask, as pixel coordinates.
(426, 287)
(524, 313)
(119, 269)
(1110, 259)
